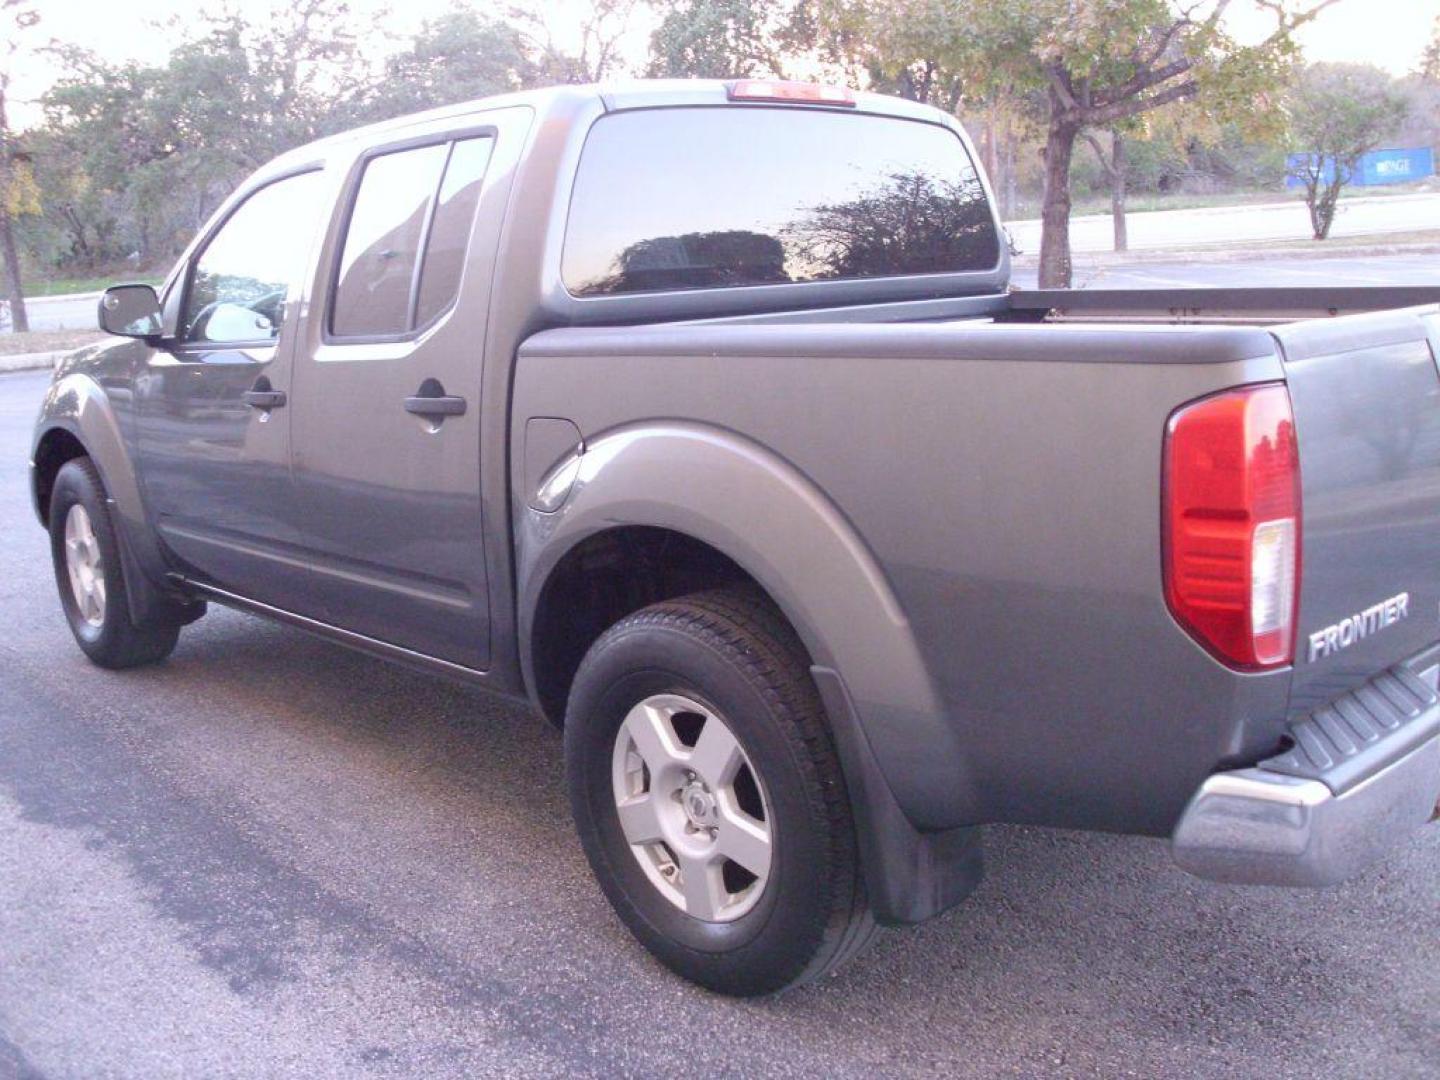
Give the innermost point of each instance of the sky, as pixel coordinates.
(1387, 33)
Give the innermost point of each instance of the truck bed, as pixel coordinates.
(1005, 473)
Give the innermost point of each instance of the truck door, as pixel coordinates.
(387, 411)
(211, 417)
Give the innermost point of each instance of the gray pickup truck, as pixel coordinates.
(701, 416)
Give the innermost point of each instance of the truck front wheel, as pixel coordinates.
(89, 575)
(709, 798)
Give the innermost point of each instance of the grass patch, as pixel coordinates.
(1139, 203)
(1296, 244)
(1417, 236)
(66, 286)
(46, 341)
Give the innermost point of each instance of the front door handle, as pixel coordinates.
(434, 406)
(264, 399)
(262, 396)
(431, 400)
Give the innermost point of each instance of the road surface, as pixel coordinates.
(75, 311)
(1360, 215)
(270, 856)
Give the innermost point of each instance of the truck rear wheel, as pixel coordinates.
(90, 577)
(709, 798)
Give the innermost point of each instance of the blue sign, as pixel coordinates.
(1375, 168)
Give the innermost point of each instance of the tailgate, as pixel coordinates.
(1366, 395)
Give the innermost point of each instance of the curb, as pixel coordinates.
(62, 298)
(32, 361)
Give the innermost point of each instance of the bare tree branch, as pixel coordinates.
(1213, 19)
(1146, 79)
(1059, 81)
(1100, 155)
(1162, 44)
(1285, 22)
(1123, 110)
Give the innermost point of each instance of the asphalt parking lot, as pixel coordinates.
(272, 857)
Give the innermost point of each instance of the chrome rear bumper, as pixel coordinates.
(1364, 773)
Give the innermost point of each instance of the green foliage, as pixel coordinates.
(1421, 126)
(132, 159)
(718, 39)
(926, 50)
(457, 57)
(1430, 60)
(21, 195)
(1174, 158)
(1069, 65)
(600, 28)
(18, 191)
(1338, 114)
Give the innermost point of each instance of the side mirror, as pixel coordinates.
(131, 311)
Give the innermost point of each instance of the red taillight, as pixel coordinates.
(1232, 524)
(783, 90)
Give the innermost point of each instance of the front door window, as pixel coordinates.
(245, 273)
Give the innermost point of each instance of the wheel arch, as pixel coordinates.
(55, 446)
(757, 518)
(78, 415)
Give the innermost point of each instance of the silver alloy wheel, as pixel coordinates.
(85, 566)
(692, 807)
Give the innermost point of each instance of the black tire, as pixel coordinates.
(733, 651)
(116, 642)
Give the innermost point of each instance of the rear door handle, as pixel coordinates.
(445, 405)
(263, 399)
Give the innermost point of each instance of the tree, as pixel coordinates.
(1117, 171)
(254, 83)
(103, 154)
(1430, 61)
(923, 50)
(134, 158)
(17, 191)
(717, 39)
(456, 57)
(1084, 64)
(928, 51)
(1103, 62)
(1186, 133)
(1339, 113)
(602, 29)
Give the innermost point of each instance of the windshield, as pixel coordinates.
(695, 198)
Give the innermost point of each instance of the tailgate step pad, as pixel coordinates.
(1363, 772)
(1358, 733)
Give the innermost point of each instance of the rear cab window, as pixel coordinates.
(711, 197)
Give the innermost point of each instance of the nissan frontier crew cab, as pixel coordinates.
(701, 415)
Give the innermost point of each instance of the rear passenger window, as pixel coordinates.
(454, 212)
(405, 242)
